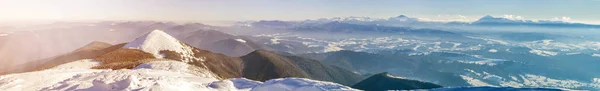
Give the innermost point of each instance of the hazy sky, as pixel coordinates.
(231, 10)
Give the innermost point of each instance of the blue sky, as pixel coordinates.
(586, 11)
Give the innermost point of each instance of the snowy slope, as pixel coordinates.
(299, 84)
(159, 75)
(177, 67)
(82, 64)
(157, 41)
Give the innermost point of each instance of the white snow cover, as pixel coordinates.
(244, 84)
(595, 55)
(492, 50)
(157, 41)
(524, 80)
(155, 76)
(299, 84)
(595, 82)
(474, 82)
(81, 64)
(332, 48)
(175, 66)
(543, 53)
(38, 80)
(241, 40)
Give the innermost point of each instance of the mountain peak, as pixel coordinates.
(95, 45)
(489, 17)
(492, 19)
(401, 16)
(486, 16)
(157, 41)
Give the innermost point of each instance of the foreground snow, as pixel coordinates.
(299, 84)
(159, 75)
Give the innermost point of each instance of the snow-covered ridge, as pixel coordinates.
(79, 64)
(153, 76)
(157, 41)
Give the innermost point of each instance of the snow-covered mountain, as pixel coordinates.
(155, 61)
(45, 42)
(163, 46)
(157, 41)
(153, 76)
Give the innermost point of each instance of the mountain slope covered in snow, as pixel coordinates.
(162, 45)
(162, 75)
(155, 61)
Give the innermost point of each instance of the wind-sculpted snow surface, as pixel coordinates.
(153, 76)
(171, 65)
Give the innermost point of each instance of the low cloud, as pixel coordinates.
(513, 17)
(447, 18)
(564, 18)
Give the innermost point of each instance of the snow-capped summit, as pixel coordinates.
(402, 16)
(158, 42)
(491, 19)
(487, 17)
(403, 19)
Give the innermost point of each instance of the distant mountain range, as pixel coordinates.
(405, 21)
(499, 21)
